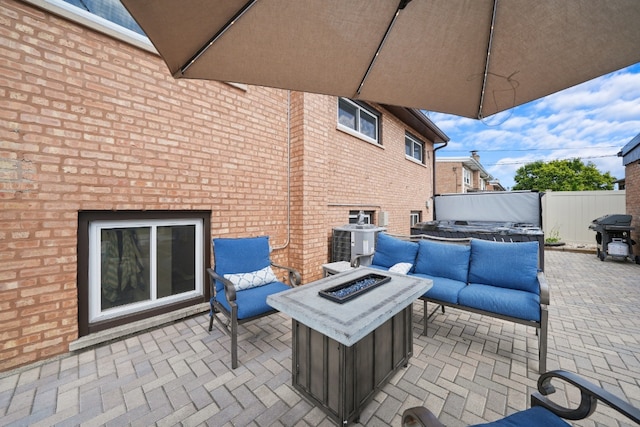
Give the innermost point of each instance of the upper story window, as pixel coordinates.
(414, 148)
(466, 176)
(106, 16)
(358, 120)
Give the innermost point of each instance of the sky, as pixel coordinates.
(591, 121)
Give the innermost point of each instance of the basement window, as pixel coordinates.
(139, 265)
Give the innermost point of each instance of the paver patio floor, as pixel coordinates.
(469, 369)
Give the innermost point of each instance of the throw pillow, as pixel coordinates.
(401, 268)
(252, 279)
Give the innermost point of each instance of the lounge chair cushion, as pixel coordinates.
(390, 251)
(512, 265)
(443, 289)
(533, 417)
(253, 302)
(252, 279)
(242, 255)
(508, 302)
(446, 260)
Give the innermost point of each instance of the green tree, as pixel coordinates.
(562, 175)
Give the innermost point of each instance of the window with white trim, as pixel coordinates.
(368, 217)
(359, 121)
(466, 176)
(136, 265)
(416, 217)
(413, 148)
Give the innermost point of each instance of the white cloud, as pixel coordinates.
(589, 121)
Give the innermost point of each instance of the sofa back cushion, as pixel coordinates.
(512, 265)
(448, 260)
(391, 250)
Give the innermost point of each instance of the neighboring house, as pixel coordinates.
(630, 154)
(463, 175)
(115, 177)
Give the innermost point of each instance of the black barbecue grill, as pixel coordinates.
(613, 236)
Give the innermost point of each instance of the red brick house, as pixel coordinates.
(630, 154)
(105, 156)
(463, 175)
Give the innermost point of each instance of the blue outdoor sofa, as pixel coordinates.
(497, 279)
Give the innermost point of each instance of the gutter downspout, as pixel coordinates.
(433, 199)
(286, 243)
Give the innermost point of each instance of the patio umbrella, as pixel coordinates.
(472, 58)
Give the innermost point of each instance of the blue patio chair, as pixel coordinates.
(543, 411)
(241, 280)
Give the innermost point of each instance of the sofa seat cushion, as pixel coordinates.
(449, 260)
(507, 302)
(533, 417)
(252, 302)
(443, 289)
(512, 265)
(391, 250)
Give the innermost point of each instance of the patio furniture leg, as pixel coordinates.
(542, 344)
(234, 337)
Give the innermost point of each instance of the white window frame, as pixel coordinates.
(95, 311)
(355, 131)
(88, 19)
(415, 217)
(416, 148)
(466, 176)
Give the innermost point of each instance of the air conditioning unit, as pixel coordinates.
(352, 240)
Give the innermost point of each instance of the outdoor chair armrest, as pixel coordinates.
(544, 289)
(419, 416)
(230, 290)
(294, 276)
(589, 396)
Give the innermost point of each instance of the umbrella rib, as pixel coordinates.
(216, 36)
(488, 58)
(401, 5)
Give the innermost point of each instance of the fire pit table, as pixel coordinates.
(345, 348)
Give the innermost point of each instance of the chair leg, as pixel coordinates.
(542, 343)
(211, 314)
(426, 317)
(234, 338)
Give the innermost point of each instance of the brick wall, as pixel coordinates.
(91, 123)
(449, 180)
(632, 187)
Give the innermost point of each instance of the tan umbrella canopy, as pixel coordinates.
(471, 58)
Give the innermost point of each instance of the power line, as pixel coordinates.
(535, 149)
(522, 162)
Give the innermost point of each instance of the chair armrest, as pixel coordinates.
(294, 276)
(230, 290)
(419, 416)
(357, 260)
(590, 394)
(544, 289)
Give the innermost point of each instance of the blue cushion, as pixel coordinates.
(242, 255)
(508, 302)
(443, 289)
(511, 265)
(390, 251)
(449, 260)
(252, 302)
(534, 417)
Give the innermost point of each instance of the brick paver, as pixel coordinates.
(469, 369)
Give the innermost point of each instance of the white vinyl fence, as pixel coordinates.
(568, 214)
